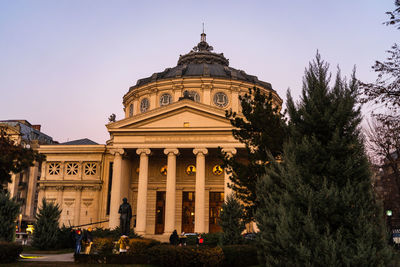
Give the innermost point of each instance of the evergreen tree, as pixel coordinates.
(231, 221)
(9, 210)
(317, 207)
(262, 129)
(46, 231)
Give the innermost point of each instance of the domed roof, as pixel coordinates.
(201, 62)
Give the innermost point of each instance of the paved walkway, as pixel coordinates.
(67, 257)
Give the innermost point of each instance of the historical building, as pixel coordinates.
(23, 185)
(162, 156)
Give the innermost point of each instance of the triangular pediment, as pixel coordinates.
(180, 115)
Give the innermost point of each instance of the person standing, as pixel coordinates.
(88, 238)
(174, 238)
(78, 239)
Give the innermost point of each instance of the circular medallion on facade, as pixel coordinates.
(163, 170)
(165, 99)
(217, 170)
(190, 170)
(220, 99)
(144, 105)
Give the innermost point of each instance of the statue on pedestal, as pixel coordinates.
(126, 215)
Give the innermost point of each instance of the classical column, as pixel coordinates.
(30, 196)
(142, 191)
(199, 216)
(116, 188)
(13, 186)
(229, 153)
(77, 208)
(171, 190)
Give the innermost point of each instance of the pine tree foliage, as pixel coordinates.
(317, 207)
(262, 130)
(46, 231)
(231, 221)
(9, 210)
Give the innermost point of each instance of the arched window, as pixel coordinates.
(144, 105)
(130, 110)
(194, 94)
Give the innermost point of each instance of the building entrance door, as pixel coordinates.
(160, 212)
(188, 212)
(216, 201)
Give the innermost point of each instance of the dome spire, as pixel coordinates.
(203, 35)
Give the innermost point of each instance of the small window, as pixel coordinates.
(220, 99)
(144, 105)
(72, 168)
(90, 168)
(195, 95)
(165, 99)
(54, 168)
(130, 110)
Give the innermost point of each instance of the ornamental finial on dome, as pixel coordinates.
(203, 45)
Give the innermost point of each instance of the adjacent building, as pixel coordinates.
(23, 185)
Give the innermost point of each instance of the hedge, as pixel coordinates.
(168, 255)
(9, 252)
(240, 255)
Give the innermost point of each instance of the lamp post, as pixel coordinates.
(389, 214)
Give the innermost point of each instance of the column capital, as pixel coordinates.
(140, 151)
(116, 151)
(229, 150)
(203, 151)
(175, 151)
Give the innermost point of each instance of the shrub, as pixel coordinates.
(8, 213)
(210, 256)
(166, 255)
(89, 259)
(103, 246)
(140, 246)
(9, 252)
(115, 233)
(65, 237)
(212, 239)
(240, 255)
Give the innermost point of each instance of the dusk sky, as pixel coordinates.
(67, 64)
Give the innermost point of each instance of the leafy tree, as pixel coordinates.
(231, 221)
(9, 210)
(14, 157)
(386, 88)
(262, 129)
(317, 207)
(46, 231)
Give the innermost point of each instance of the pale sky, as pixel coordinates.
(66, 64)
